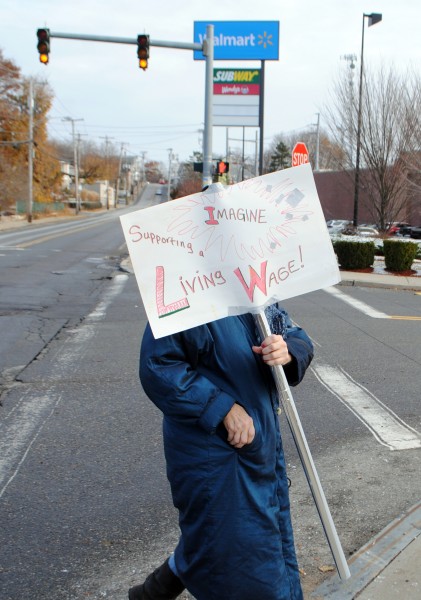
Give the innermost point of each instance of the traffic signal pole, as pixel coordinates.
(206, 48)
(207, 137)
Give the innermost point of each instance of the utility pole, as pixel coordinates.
(169, 174)
(316, 159)
(119, 173)
(143, 155)
(30, 151)
(77, 199)
(78, 143)
(107, 143)
(256, 155)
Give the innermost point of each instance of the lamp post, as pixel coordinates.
(373, 18)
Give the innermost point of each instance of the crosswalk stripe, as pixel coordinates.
(366, 308)
(384, 424)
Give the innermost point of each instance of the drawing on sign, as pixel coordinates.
(230, 250)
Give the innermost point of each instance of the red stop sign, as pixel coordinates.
(299, 154)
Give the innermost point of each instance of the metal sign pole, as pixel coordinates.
(294, 422)
(207, 137)
(262, 117)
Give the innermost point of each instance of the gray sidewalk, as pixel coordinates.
(380, 280)
(386, 568)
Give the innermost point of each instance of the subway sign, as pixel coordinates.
(240, 40)
(244, 82)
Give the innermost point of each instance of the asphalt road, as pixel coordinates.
(85, 505)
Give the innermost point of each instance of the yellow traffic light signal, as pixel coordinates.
(43, 46)
(143, 50)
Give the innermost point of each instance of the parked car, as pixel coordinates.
(337, 225)
(361, 231)
(397, 228)
(404, 231)
(416, 232)
(158, 192)
(367, 231)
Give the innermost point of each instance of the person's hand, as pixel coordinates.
(239, 426)
(274, 350)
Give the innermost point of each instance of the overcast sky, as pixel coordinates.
(163, 107)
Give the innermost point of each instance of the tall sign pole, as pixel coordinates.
(207, 137)
(261, 116)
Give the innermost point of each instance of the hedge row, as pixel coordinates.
(398, 255)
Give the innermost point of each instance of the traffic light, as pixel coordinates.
(222, 167)
(43, 46)
(143, 51)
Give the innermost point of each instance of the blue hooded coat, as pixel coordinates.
(236, 538)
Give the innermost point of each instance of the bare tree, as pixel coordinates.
(412, 157)
(331, 154)
(390, 120)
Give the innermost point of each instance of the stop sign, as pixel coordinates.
(299, 154)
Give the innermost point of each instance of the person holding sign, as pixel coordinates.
(224, 455)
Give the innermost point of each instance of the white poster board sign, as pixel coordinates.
(230, 250)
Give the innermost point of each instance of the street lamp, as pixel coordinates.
(373, 18)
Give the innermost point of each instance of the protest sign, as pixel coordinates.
(230, 250)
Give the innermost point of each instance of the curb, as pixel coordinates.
(374, 557)
(380, 284)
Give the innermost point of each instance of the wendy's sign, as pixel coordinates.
(230, 250)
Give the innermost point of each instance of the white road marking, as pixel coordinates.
(11, 248)
(384, 424)
(23, 424)
(115, 288)
(366, 308)
(20, 432)
(357, 304)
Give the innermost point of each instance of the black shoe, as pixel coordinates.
(162, 584)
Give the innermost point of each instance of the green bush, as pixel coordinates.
(399, 255)
(355, 255)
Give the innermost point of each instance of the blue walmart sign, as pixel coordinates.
(240, 40)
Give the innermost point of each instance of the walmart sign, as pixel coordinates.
(240, 40)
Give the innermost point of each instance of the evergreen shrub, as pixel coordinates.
(399, 255)
(354, 255)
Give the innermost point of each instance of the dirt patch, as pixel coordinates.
(407, 273)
